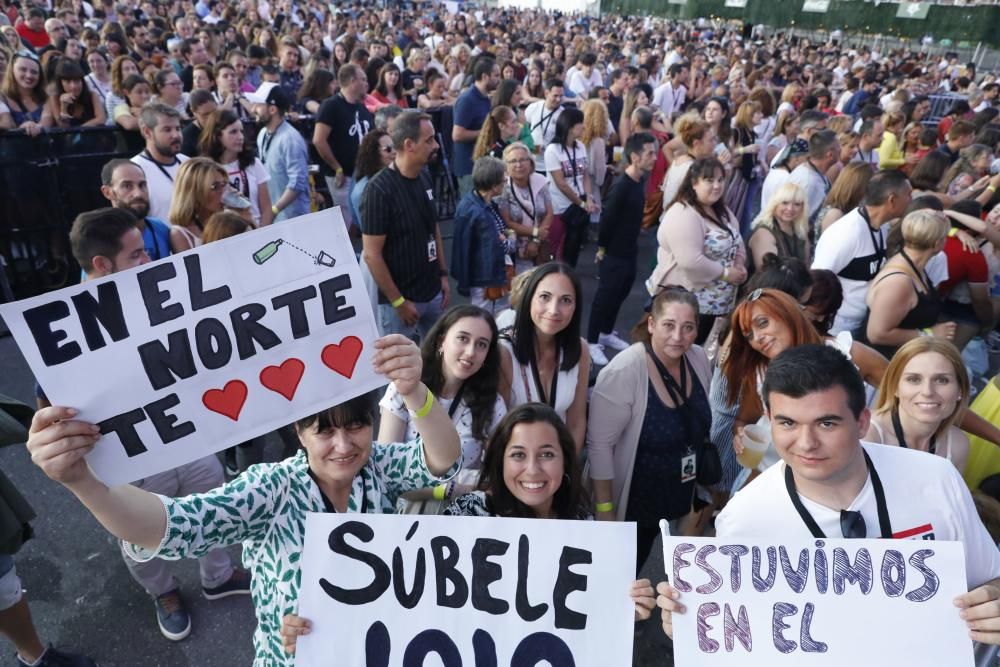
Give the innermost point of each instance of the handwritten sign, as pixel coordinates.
(391, 590)
(197, 352)
(817, 602)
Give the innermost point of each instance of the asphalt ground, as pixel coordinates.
(82, 597)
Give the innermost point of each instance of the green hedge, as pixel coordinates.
(970, 24)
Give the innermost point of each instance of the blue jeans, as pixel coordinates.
(428, 313)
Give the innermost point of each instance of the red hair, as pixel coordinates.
(744, 364)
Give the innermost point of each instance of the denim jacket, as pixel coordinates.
(477, 254)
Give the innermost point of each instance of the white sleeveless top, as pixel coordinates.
(189, 235)
(949, 450)
(523, 389)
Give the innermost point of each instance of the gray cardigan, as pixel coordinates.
(617, 408)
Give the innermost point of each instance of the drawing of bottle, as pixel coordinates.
(267, 252)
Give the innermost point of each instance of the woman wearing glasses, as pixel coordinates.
(198, 191)
(526, 207)
(374, 154)
(649, 418)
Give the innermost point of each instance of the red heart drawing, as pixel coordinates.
(227, 401)
(283, 379)
(343, 358)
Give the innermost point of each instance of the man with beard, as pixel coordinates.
(400, 233)
(283, 151)
(162, 158)
(123, 183)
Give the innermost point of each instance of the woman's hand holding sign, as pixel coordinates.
(981, 612)
(58, 444)
(291, 627)
(666, 600)
(643, 596)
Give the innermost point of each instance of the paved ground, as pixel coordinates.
(82, 596)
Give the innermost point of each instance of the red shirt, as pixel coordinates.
(660, 168)
(37, 39)
(963, 266)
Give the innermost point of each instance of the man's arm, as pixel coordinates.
(321, 141)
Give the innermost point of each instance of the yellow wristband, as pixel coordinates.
(953, 232)
(605, 507)
(274, 210)
(439, 491)
(399, 301)
(991, 188)
(425, 409)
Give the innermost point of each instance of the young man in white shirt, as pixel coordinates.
(586, 77)
(824, 151)
(854, 246)
(868, 143)
(541, 117)
(669, 97)
(162, 158)
(830, 484)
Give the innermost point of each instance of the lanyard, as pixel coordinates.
(878, 243)
(531, 196)
(897, 426)
(268, 138)
(572, 161)
(329, 507)
(678, 393)
(159, 166)
(551, 399)
(883, 511)
(826, 181)
(455, 402)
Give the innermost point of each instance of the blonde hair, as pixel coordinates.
(924, 229)
(191, 188)
(839, 124)
(888, 400)
(892, 119)
(595, 121)
(788, 191)
(744, 115)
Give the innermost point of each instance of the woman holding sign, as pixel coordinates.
(649, 420)
(461, 364)
(532, 470)
(924, 391)
(340, 470)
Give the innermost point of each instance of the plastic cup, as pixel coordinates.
(617, 154)
(756, 440)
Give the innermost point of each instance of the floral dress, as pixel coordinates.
(718, 297)
(265, 510)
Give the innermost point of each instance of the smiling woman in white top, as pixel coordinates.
(923, 394)
(545, 360)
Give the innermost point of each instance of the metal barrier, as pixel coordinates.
(46, 181)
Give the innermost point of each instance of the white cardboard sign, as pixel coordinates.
(817, 602)
(183, 357)
(390, 590)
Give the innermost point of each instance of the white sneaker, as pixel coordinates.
(613, 341)
(597, 354)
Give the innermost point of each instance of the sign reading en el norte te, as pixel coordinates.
(183, 357)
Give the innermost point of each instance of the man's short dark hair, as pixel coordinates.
(36, 13)
(812, 117)
(199, 97)
(258, 52)
(407, 126)
(150, 115)
(676, 69)
(588, 59)
(483, 68)
(871, 111)
(883, 184)
(187, 44)
(554, 83)
(616, 74)
(821, 143)
(867, 127)
(643, 117)
(99, 233)
(108, 171)
(636, 143)
(808, 369)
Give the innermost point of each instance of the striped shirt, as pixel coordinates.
(402, 210)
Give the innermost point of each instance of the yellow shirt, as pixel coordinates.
(889, 154)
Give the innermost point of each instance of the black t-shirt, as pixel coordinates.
(615, 107)
(349, 123)
(402, 210)
(187, 78)
(621, 217)
(189, 139)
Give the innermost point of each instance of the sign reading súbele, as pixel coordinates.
(393, 590)
(817, 603)
(199, 351)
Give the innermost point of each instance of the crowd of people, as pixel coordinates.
(826, 252)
